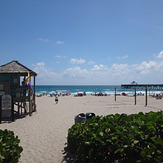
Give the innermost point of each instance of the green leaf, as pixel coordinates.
(125, 146)
(136, 141)
(87, 143)
(107, 130)
(101, 133)
(119, 151)
(158, 142)
(114, 138)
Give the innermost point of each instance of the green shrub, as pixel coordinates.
(118, 138)
(9, 147)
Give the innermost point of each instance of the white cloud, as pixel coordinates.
(99, 68)
(160, 55)
(159, 67)
(144, 72)
(40, 64)
(59, 42)
(77, 61)
(146, 67)
(43, 39)
(91, 62)
(60, 56)
(44, 75)
(120, 68)
(75, 73)
(123, 57)
(119, 71)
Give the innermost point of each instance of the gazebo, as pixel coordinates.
(22, 96)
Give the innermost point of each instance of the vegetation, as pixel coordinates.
(9, 147)
(118, 138)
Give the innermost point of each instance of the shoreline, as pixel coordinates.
(89, 89)
(43, 135)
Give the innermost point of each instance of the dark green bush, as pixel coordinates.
(118, 138)
(9, 147)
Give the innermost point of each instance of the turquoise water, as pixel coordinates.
(89, 89)
(74, 89)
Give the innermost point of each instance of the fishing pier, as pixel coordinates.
(146, 87)
(143, 86)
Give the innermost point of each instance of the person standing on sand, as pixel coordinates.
(56, 99)
(24, 86)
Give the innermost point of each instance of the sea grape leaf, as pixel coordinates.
(136, 141)
(87, 143)
(119, 151)
(101, 133)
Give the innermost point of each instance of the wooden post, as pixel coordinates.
(12, 111)
(0, 109)
(34, 96)
(135, 96)
(18, 109)
(115, 94)
(146, 96)
(29, 99)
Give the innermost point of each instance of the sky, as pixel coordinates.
(84, 42)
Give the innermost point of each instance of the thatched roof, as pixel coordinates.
(14, 67)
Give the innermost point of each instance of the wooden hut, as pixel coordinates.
(23, 96)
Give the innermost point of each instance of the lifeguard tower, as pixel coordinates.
(16, 99)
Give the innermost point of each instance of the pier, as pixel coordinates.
(142, 86)
(146, 87)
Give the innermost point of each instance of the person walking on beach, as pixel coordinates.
(56, 99)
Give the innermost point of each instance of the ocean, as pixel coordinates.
(88, 89)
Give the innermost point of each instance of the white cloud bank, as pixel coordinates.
(144, 72)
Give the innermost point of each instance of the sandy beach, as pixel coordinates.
(44, 134)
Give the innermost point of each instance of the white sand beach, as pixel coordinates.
(43, 135)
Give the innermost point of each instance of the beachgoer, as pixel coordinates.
(56, 99)
(25, 87)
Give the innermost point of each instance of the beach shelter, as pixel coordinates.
(22, 96)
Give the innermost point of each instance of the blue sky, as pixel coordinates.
(83, 42)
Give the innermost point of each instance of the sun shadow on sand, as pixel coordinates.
(15, 118)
